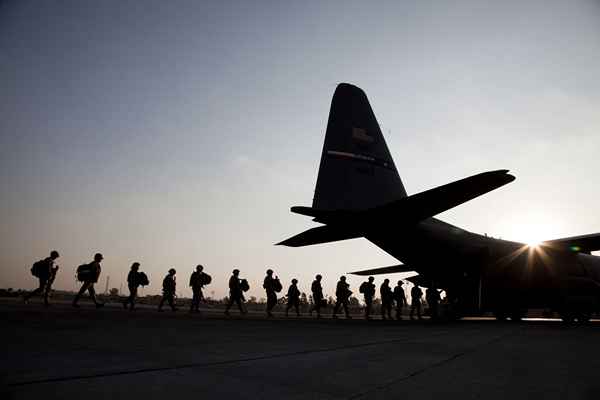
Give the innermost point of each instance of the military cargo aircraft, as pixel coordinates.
(359, 193)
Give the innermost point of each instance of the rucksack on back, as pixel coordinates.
(205, 279)
(363, 287)
(244, 285)
(143, 279)
(36, 268)
(277, 285)
(84, 273)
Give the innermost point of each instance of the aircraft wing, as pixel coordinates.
(434, 201)
(318, 235)
(384, 270)
(580, 244)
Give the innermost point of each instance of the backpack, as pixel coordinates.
(36, 268)
(244, 285)
(85, 273)
(205, 279)
(363, 287)
(143, 279)
(277, 285)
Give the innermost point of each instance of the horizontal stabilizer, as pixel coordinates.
(384, 270)
(321, 234)
(434, 201)
(580, 244)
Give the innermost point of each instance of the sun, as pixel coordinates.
(534, 235)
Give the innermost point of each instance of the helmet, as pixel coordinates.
(54, 254)
(199, 267)
(135, 265)
(269, 271)
(236, 271)
(318, 277)
(98, 257)
(172, 271)
(342, 278)
(294, 280)
(371, 279)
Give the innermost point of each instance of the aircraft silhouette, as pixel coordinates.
(359, 193)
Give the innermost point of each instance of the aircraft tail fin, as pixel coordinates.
(356, 171)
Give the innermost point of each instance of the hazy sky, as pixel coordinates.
(176, 133)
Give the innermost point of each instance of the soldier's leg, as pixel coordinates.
(92, 292)
(132, 297)
(297, 306)
(162, 302)
(240, 305)
(42, 285)
(346, 312)
(45, 291)
(336, 307)
(194, 300)
(229, 304)
(171, 300)
(84, 287)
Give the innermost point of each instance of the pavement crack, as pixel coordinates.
(426, 368)
(202, 365)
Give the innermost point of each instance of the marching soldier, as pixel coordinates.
(317, 295)
(368, 290)
(89, 274)
(342, 294)
(45, 271)
(235, 292)
(415, 302)
(433, 299)
(293, 298)
(197, 282)
(272, 285)
(400, 299)
(169, 291)
(387, 298)
(133, 282)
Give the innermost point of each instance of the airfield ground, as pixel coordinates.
(86, 353)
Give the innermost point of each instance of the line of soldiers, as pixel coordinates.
(45, 270)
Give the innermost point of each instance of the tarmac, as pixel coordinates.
(62, 353)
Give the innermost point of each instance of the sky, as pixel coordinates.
(180, 133)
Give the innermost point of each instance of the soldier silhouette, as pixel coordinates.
(400, 299)
(45, 271)
(197, 282)
(272, 285)
(293, 298)
(387, 298)
(235, 292)
(317, 295)
(368, 290)
(89, 274)
(342, 294)
(433, 299)
(169, 285)
(133, 282)
(415, 302)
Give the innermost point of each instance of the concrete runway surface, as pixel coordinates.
(65, 353)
